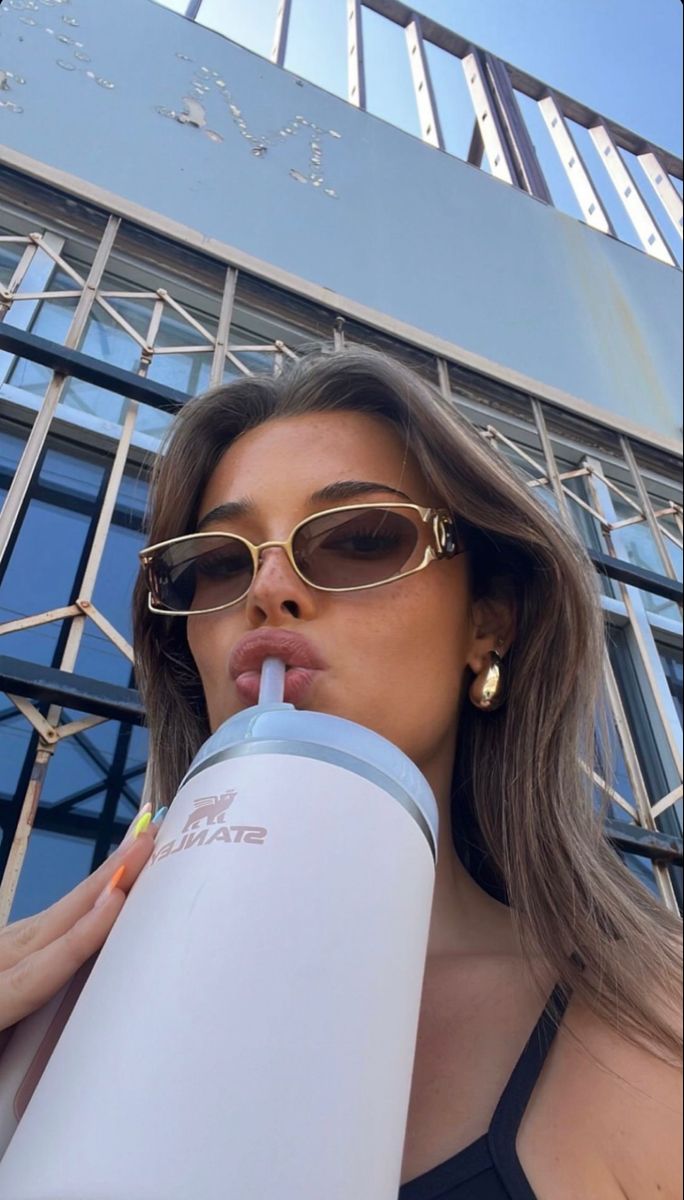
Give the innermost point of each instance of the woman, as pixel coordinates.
(481, 661)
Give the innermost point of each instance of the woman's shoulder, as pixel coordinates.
(620, 1098)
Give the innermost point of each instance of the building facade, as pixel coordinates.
(177, 211)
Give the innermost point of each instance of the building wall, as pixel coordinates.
(132, 100)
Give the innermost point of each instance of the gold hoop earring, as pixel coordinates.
(486, 690)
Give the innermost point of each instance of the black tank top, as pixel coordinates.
(489, 1169)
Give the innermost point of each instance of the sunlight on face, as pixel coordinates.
(396, 653)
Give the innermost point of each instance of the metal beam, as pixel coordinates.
(487, 116)
(631, 198)
(65, 361)
(218, 361)
(476, 146)
(664, 188)
(632, 839)
(279, 48)
(530, 174)
(21, 678)
(356, 75)
(430, 127)
(626, 572)
(574, 166)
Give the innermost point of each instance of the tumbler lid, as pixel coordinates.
(359, 748)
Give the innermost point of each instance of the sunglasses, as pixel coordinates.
(340, 550)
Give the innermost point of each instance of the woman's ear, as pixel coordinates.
(493, 628)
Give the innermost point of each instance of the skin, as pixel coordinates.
(397, 653)
(39, 954)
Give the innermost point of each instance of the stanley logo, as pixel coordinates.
(210, 809)
(207, 823)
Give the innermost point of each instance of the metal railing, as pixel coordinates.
(501, 132)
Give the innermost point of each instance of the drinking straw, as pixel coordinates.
(272, 681)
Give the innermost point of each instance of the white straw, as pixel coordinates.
(272, 681)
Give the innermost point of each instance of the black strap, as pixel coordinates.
(503, 1130)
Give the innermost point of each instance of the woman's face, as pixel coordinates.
(396, 653)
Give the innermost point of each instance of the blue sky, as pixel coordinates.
(622, 57)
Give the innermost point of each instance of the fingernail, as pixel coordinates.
(131, 831)
(159, 816)
(106, 892)
(141, 824)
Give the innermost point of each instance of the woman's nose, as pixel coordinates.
(277, 587)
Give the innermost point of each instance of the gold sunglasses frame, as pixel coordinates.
(443, 531)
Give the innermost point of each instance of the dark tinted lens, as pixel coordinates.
(357, 547)
(202, 572)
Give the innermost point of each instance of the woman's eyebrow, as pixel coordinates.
(343, 489)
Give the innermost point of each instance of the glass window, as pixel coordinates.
(671, 659)
(52, 320)
(10, 254)
(15, 737)
(91, 793)
(46, 560)
(641, 728)
(613, 765)
(12, 442)
(98, 656)
(636, 544)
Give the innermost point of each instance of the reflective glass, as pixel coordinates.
(44, 564)
(10, 254)
(671, 659)
(637, 545)
(54, 864)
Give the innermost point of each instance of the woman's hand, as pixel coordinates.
(39, 954)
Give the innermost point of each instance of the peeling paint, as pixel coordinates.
(206, 80)
(79, 51)
(205, 84)
(7, 80)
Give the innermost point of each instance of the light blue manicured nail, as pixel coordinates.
(159, 817)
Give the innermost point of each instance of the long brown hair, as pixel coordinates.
(523, 806)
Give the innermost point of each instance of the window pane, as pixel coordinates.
(671, 659)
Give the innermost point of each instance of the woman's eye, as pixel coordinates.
(219, 568)
(363, 543)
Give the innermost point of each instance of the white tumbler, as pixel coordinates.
(248, 1030)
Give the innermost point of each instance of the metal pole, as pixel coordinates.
(632, 201)
(487, 116)
(664, 188)
(38, 435)
(530, 174)
(647, 507)
(574, 166)
(551, 464)
(223, 332)
(430, 127)
(279, 48)
(356, 76)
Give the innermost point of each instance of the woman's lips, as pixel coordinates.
(298, 681)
